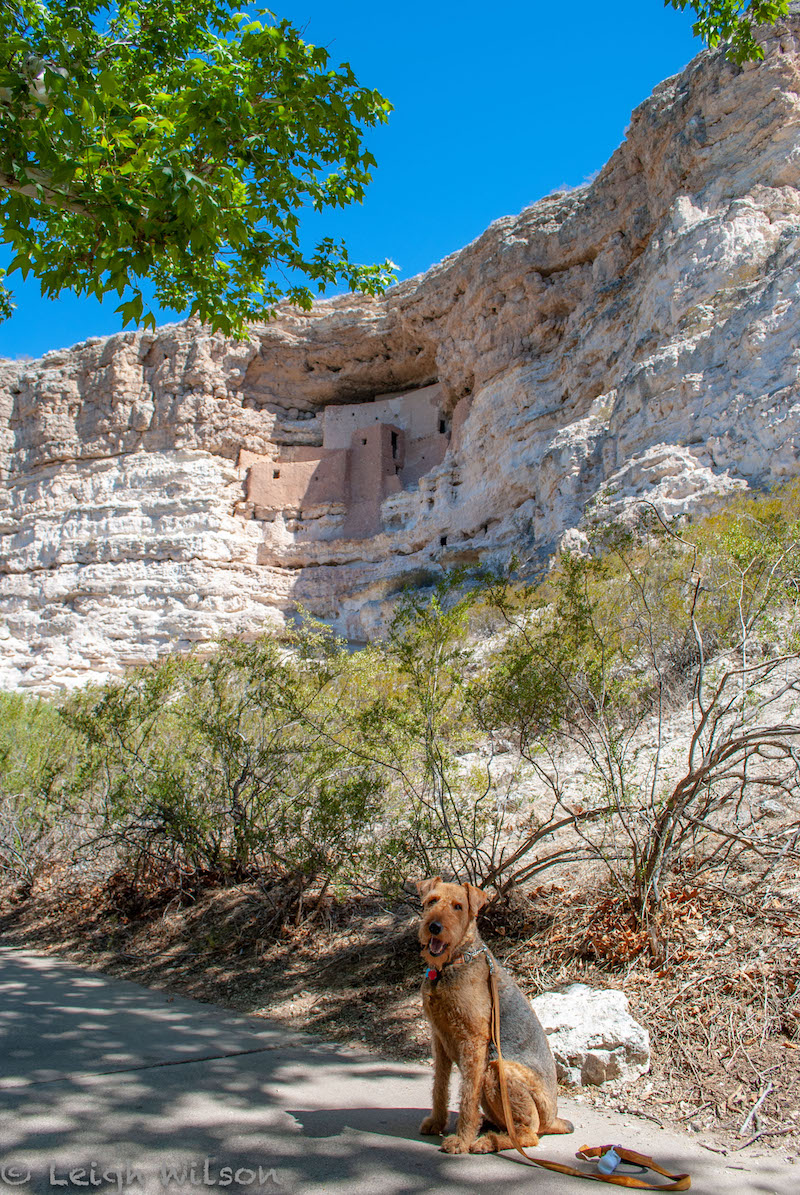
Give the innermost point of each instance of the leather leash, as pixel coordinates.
(679, 1182)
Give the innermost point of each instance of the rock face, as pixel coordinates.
(593, 1036)
(637, 337)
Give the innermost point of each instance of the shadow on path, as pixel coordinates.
(144, 1092)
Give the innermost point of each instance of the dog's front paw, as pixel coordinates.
(487, 1144)
(431, 1127)
(455, 1145)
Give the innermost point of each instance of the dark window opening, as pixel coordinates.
(276, 473)
(363, 441)
(442, 427)
(394, 445)
(443, 540)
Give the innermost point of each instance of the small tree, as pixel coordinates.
(216, 764)
(452, 808)
(610, 645)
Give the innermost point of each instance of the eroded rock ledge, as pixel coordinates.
(634, 337)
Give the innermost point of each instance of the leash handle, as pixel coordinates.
(679, 1182)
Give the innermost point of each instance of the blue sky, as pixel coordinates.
(495, 106)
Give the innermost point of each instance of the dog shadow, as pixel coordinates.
(402, 1123)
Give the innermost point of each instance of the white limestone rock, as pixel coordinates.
(593, 1036)
(635, 338)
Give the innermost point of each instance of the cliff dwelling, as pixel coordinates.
(369, 450)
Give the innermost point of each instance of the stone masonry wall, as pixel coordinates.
(364, 457)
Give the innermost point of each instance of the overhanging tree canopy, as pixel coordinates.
(732, 21)
(180, 143)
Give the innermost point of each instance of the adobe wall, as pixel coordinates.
(310, 477)
(377, 455)
(422, 456)
(370, 450)
(417, 412)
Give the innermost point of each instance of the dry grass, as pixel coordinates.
(717, 981)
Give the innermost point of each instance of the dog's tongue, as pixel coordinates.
(436, 945)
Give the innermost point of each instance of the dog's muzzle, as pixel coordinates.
(436, 945)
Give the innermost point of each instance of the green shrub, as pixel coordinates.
(37, 754)
(369, 769)
(230, 764)
(598, 655)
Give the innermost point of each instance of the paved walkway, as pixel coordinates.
(108, 1086)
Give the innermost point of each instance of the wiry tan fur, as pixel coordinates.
(458, 1007)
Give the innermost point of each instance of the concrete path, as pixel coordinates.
(106, 1085)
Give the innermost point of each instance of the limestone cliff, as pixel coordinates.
(637, 336)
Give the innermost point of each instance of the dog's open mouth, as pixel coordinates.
(436, 946)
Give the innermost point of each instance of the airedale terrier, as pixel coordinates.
(457, 1001)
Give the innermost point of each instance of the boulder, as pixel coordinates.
(593, 1036)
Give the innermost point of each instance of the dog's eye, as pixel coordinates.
(457, 906)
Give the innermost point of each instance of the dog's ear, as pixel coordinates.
(477, 898)
(425, 886)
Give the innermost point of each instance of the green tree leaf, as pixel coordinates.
(141, 139)
(732, 21)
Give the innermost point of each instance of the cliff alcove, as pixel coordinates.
(634, 337)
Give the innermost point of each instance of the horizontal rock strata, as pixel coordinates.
(635, 338)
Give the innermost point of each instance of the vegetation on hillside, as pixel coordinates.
(634, 713)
